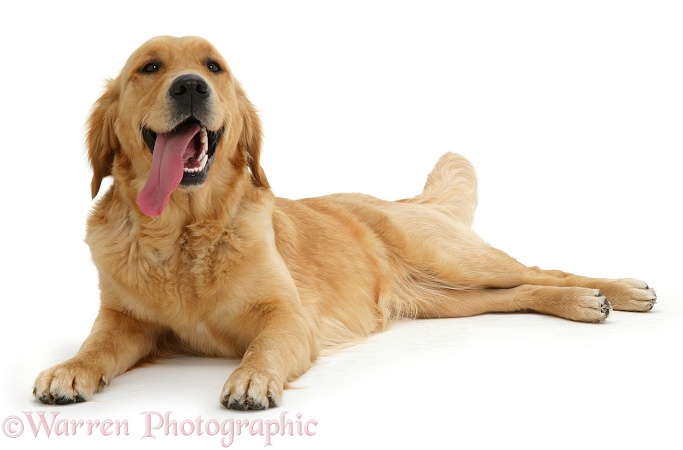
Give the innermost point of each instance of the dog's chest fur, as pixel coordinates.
(183, 278)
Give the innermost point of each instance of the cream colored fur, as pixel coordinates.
(230, 270)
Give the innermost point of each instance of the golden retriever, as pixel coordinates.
(195, 253)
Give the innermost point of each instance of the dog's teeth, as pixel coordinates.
(203, 153)
(203, 136)
(202, 162)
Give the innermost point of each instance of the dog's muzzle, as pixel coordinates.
(183, 155)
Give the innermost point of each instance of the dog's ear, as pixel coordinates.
(250, 139)
(101, 140)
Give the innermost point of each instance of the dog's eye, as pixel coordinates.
(213, 66)
(151, 67)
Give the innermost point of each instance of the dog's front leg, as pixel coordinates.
(282, 349)
(117, 341)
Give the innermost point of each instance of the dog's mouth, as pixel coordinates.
(199, 148)
(182, 156)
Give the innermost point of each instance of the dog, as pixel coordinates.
(195, 253)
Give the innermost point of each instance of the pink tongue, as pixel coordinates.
(167, 169)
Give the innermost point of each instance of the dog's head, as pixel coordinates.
(173, 118)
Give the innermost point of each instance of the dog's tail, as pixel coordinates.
(452, 185)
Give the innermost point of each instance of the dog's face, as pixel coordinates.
(172, 117)
(181, 99)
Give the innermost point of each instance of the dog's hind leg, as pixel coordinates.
(483, 270)
(574, 303)
(625, 294)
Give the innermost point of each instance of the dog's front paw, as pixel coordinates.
(70, 382)
(250, 389)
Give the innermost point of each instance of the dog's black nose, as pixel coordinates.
(190, 91)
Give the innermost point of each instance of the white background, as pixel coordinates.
(570, 111)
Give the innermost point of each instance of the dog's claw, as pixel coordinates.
(606, 308)
(247, 405)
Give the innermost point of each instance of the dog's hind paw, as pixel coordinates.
(628, 294)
